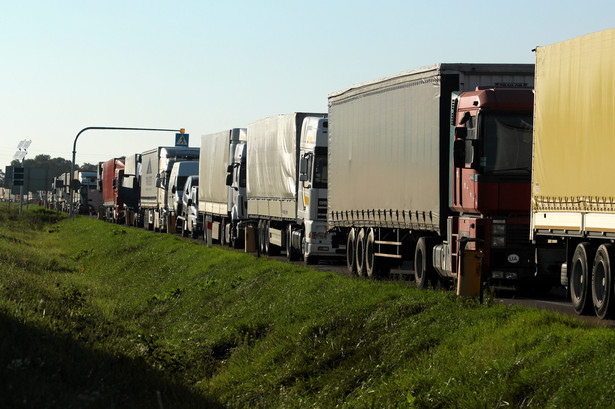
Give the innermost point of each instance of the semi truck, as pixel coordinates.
(130, 183)
(222, 198)
(156, 165)
(180, 172)
(573, 205)
(90, 198)
(110, 177)
(429, 163)
(189, 220)
(287, 185)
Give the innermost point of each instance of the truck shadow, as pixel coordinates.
(42, 369)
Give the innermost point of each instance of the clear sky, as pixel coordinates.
(213, 65)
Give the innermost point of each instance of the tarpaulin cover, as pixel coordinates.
(213, 164)
(574, 125)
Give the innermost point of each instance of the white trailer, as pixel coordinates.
(222, 189)
(287, 185)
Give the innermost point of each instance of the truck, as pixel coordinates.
(222, 201)
(156, 166)
(90, 198)
(190, 221)
(130, 183)
(287, 186)
(177, 180)
(429, 163)
(110, 177)
(60, 187)
(572, 202)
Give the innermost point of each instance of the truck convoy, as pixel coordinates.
(415, 171)
(287, 185)
(418, 170)
(156, 166)
(573, 204)
(222, 201)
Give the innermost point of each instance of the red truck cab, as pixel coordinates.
(112, 173)
(491, 160)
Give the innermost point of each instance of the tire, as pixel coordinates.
(291, 255)
(424, 273)
(372, 264)
(260, 237)
(602, 282)
(360, 253)
(580, 286)
(184, 228)
(351, 263)
(266, 238)
(309, 260)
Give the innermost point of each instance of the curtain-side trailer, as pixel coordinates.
(573, 196)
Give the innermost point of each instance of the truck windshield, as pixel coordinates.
(242, 173)
(507, 143)
(320, 168)
(181, 181)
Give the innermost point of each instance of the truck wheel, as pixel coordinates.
(423, 269)
(360, 246)
(371, 262)
(259, 237)
(350, 253)
(602, 282)
(223, 238)
(184, 228)
(266, 238)
(579, 279)
(291, 254)
(308, 260)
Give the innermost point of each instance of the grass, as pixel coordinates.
(99, 315)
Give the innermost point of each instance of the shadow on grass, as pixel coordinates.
(39, 369)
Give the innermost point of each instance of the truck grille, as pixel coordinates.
(517, 235)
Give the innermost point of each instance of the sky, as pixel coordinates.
(209, 66)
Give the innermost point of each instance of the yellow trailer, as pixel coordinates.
(573, 193)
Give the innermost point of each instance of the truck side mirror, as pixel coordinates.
(302, 166)
(461, 132)
(173, 190)
(229, 169)
(190, 202)
(158, 180)
(229, 179)
(303, 177)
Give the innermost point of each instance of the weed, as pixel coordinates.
(207, 284)
(168, 295)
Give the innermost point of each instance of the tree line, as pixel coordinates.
(55, 166)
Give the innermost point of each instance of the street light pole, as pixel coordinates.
(107, 128)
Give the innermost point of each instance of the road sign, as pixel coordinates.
(181, 139)
(18, 176)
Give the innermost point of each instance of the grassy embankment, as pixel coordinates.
(99, 315)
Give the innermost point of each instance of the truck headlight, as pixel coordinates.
(498, 234)
(498, 241)
(318, 235)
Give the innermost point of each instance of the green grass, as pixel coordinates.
(98, 315)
